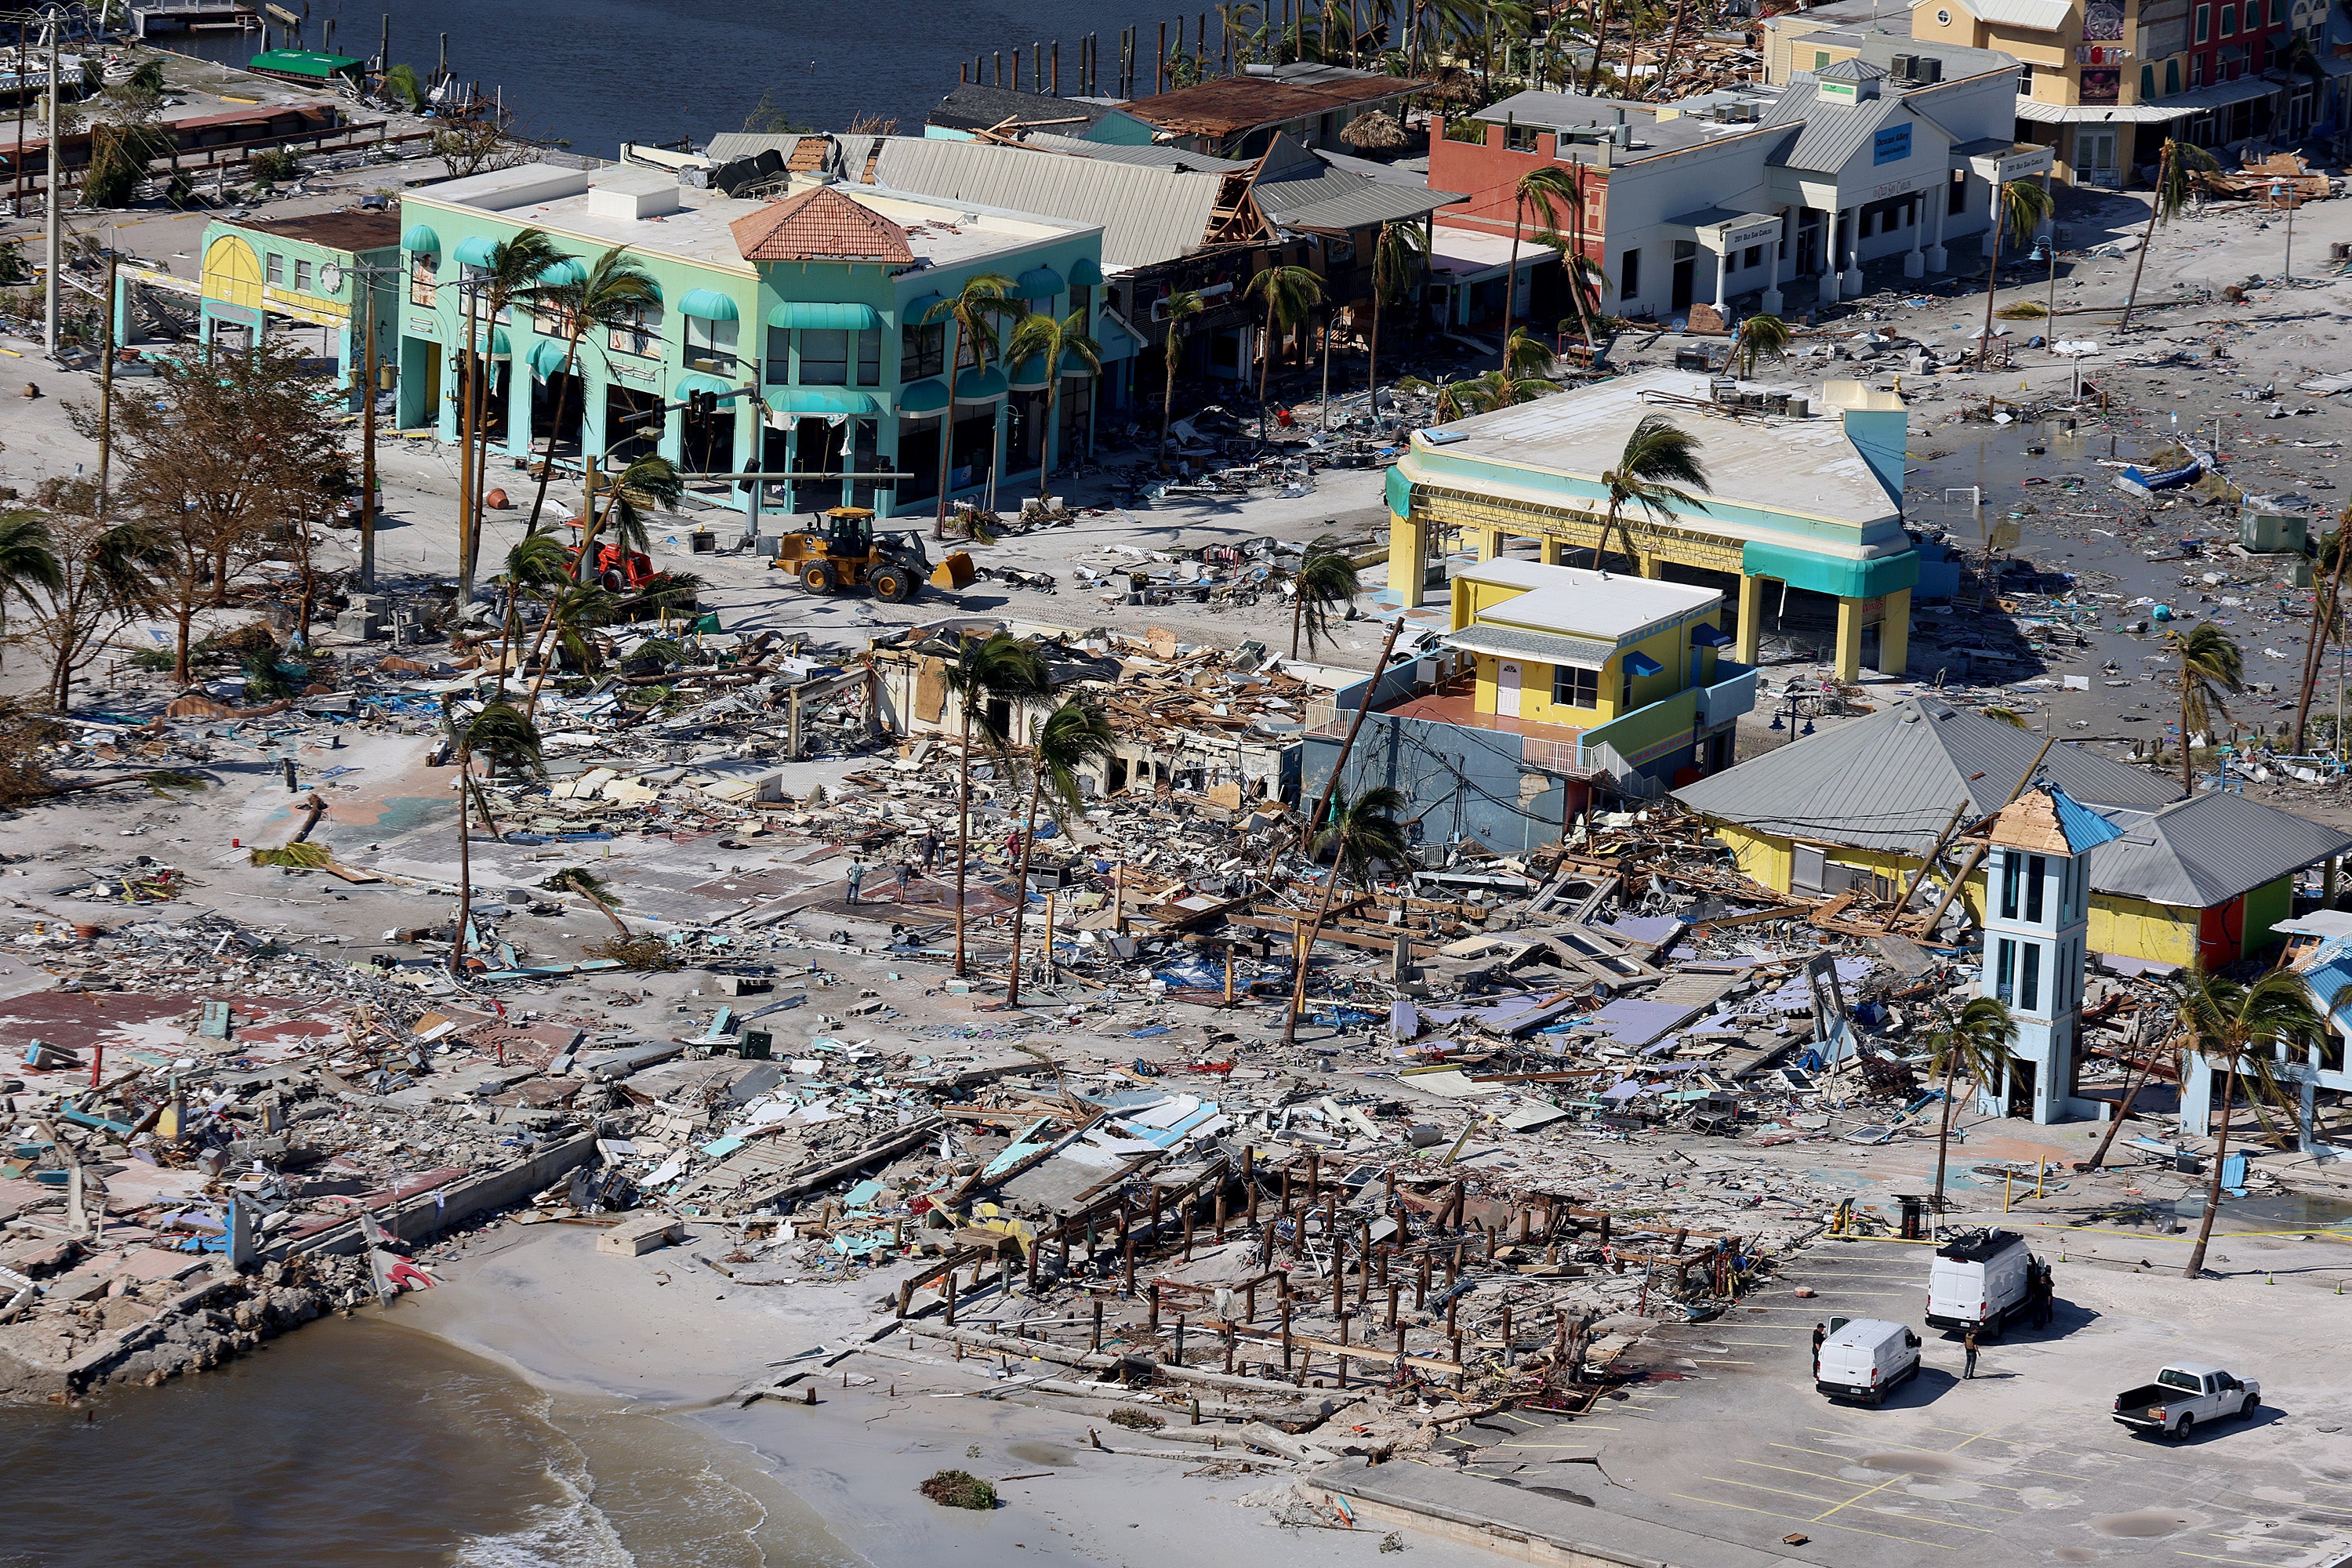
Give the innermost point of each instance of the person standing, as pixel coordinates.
(1968, 1344)
(904, 871)
(1820, 1333)
(857, 875)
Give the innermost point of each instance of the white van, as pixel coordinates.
(1980, 1278)
(1866, 1360)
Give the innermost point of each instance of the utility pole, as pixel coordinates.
(24, 55)
(53, 247)
(106, 382)
(367, 428)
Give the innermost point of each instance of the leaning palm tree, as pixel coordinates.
(1360, 834)
(2022, 207)
(1760, 336)
(1322, 589)
(614, 290)
(1525, 358)
(588, 885)
(1586, 281)
(27, 561)
(1181, 307)
(1974, 1045)
(503, 735)
(1490, 389)
(2324, 624)
(513, 275)
(1398, 257)
(1547, 188)
(980, 673)
(1056, 343)
(535, 565)
(647, 481)
(1658, 459)
(2245, 1031)
(2175, 164)
(1290, 295)
(972, 318)
(1072, 736)
(2212, 669)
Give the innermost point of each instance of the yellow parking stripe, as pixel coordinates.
(1799, 1518)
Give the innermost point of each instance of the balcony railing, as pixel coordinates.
(1730, 696)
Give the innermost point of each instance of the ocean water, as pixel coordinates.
(361, 1444)
(596, 72)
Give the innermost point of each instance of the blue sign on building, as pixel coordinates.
(1892, 145)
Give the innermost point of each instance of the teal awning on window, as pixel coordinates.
(979, 385)
(421, 239)
(695, 381)
(475, 249)
(1643, 664)
(917, 311)
(812, 315)
(564, 274)
(494, 344)
(1030, 374)
(815, 400)
(1039, 283)
(1085, 273)
(707, 304)
(547, 358)
(923, 397)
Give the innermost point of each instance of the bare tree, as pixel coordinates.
(478, 140)
(104, 578)
(225, 458)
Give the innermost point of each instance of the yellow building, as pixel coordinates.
(2198, 879)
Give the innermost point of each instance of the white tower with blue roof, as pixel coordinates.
(2036, 945)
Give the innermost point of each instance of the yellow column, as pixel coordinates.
(1748, 639)
(1849, 639)
(1554, 548)
(1408, 564)
(1490, 543)
(1652, 567)
(1895, 634)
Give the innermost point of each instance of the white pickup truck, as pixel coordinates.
(2185, 1393)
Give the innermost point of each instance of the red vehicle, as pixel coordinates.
(619, 570)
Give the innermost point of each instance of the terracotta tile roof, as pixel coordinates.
(820, 224)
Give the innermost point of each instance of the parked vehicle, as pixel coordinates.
(2184, 1395)
(1866, 1359)
(1980, 1278)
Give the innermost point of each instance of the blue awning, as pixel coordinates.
(547, 357)
(979, 385)
(475, 249)
(695, 381)
(1703, 636)
(709, 304)
(1029, 374)
(1085, 273)
(1039, 283)
(564, 274)
(813, 401)
(924, 397)
(421, 240)
(491, 343)
(917, 311)
(1643, 664)
(810, 315)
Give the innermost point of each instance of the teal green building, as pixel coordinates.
(811, 309)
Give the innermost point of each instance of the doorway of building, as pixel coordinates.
(1506, 688)
(1686, 273)
(2094, 158)
(2021, 1088)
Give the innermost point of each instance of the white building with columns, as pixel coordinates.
(1762, 200)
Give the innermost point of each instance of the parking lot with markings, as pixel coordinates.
(1723, 1434)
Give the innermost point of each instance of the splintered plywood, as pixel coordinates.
(932, 691)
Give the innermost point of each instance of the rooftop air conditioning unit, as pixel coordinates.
(1906, 67)
(1928, 70)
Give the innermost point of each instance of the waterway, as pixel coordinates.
(593, 73)
(365, 1445)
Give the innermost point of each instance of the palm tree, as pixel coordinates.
(2022, 207)
(26, 561)
(1488, 391)
(1545, 188)
(503, 735)
(1072, 736)
(536, 563)
(2323, 625)
(1760, 337)
(1181, 307)
(588, 885)
(575, 609)
(611, 294)
(516, 265)
(980, 673)
(2174, 165)
(1323, 588)
(2211, 668)
(1397, 260)
(1290, 295)
(970, 316)
(1039, 336)
(1975, 1045)
(1525, 358)
(401, 85)
(1585, 281)
(1658, 459)
(1360, 834)
(2243, 1030)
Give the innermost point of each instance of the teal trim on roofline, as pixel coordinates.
(1831, 574)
